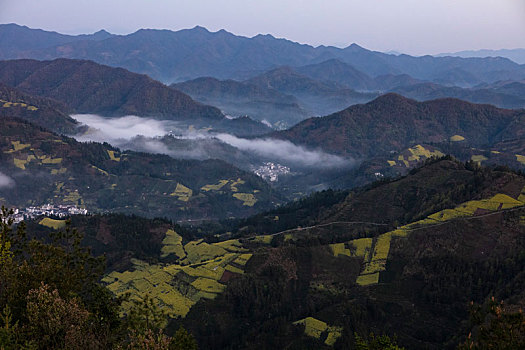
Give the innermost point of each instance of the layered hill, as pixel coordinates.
(318, 97)
(413, 277)
(38, 110)
(192, 53)
(17, 40)
(48, 168)
(88, 87)
(508, 87)
(516, 55)
(288, 95)
(339, 72)
(505, 96)
(392, 123)
(403, 257)
(238, 98)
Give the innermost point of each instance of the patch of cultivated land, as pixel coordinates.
(374, 251)
(199, 272)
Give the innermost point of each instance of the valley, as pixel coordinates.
(184, 189)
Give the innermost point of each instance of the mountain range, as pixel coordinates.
(406, 205)
(329, 87)
(88, 87)
(293, 81)
(42, 111)
(191, 53)
(445, 230)
(516, 55)
(241, 98)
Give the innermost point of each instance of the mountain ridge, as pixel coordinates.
(402, 123)
(191, 53)
(92, 88)
(49, 168)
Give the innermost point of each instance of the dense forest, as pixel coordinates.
(51, 298)
(452, 283)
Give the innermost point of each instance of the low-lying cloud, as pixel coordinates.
(145, 134)
(119, 130)
(6, 181)
(284, 151)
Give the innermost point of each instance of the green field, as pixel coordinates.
(381, 245)
(457, 138)
(182, 192)
(248, 199)
(55, 224)
(316, 329)
(177, 287)
(172, 244)
(215, 187)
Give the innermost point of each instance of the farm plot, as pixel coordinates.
(376, 263)
(177, 287)
(320, 330)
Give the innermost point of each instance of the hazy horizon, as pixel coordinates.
(407, 26)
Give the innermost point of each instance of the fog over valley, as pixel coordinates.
(242, 175)
(180, 141)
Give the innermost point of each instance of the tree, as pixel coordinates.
(145, 315)
(382, 342)
(58, 323)
(51, 298)
(495, 326)
(182, 340)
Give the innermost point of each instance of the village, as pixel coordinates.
(271, 171)
(50, 210)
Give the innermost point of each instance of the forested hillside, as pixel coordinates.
(48, 168)
(444, 236)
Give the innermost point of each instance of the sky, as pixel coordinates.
(410, 26)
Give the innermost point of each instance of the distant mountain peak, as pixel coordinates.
(101, 35)
(198, 28)
(354, 47)
(264, 36)
(392, 96)
(174, 55)
(102, 31)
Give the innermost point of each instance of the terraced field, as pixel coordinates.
(182, 192)
(24, 154)
(457, 138)
(112, 156)
(54, 224)
(201, 271)
(478, 158)
(9, 104)
(216, 187)
(248, 199)
(320, 330)
(414, 155)
(375, 251)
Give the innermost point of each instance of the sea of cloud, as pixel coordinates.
(145, 134)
